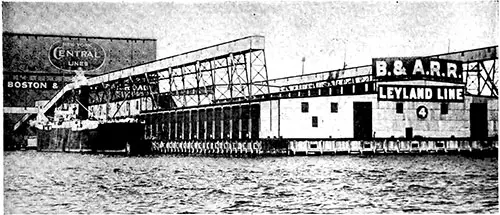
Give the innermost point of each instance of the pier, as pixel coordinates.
(218, 100)
(326, 147)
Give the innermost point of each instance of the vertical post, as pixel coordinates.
(84, 102)
(230, 71)
(212, 75)
(184, 102)
(248, 74)
(198, 74)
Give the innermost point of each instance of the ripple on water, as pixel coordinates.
(73, 183)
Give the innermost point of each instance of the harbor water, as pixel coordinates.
(39, 182)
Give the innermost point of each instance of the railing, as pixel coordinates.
(390, 145)
(324, 146)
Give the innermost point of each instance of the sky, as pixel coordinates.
(321, 31)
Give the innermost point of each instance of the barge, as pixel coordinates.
(69, 134)
(92, 137)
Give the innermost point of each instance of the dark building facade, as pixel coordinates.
(37, 66)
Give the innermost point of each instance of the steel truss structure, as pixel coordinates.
(480, 74)
(236, 71)
(237, 76)
(480, 68)
(224, 78)
(216, 74)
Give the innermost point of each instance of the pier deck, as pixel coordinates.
(326, 147)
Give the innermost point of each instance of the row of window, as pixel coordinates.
(444, 108)
(334, 107)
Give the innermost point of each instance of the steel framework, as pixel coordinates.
(215, 74)
(242, 76)
(480, 68)
(480, 74)
(236, 71)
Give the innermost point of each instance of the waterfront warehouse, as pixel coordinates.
(218, 99)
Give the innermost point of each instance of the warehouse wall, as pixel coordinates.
(456, 122)
(26, 61)
(218, 122)
(29, 52)
(386, 122)
(492, 117)
(296, 124)
(269, 119)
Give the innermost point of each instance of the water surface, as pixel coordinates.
(39, 182)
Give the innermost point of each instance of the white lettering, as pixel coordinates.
(397, 91)
(398, 68)
(442, 94)
(452, 70)
(418, 68)
(381, 93)
(428, 93)
(452, 95)
(58, 54)
(435, 68)
(381, 67)
(27, 85)
(390, 93)
(405, 96)
(460, 94)
(420, 93)
(413, 95)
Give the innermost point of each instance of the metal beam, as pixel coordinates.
(473, 55)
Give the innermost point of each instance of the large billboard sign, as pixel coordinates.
(417, 68)
(76, 55)
(421, 93)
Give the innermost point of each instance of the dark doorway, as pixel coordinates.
(478, 120)
(362, 120)
(409, 132)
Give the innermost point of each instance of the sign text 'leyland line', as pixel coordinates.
(420, 93)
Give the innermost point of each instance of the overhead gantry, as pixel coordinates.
(234, 70)
(479, 66)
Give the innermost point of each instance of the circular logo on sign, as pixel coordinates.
(422, 112)
(76, 55)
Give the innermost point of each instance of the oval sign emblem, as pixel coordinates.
(76, 55)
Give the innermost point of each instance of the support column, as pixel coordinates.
(83, 99)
